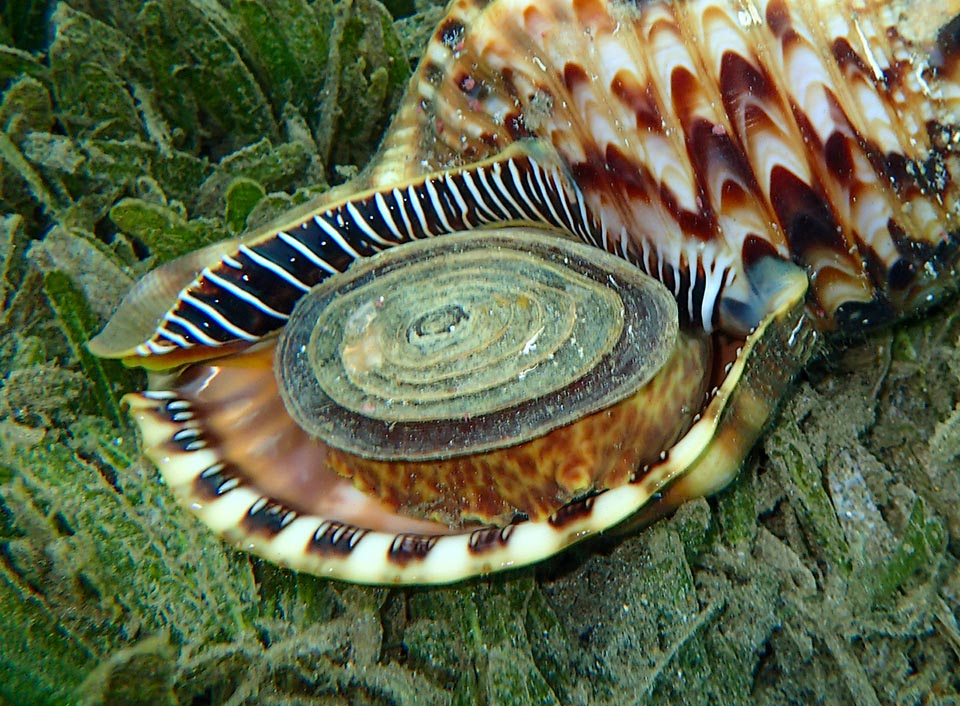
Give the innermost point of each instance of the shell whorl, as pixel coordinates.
(708, 136)
(698, 139)
(250, 291)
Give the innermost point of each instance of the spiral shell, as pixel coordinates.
(782, 168)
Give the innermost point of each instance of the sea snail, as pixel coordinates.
(343, 394)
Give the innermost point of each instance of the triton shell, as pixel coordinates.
(781, 169)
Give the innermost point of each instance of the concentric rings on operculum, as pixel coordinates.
(509, 333)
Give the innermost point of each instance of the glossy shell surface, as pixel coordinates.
(783, 169)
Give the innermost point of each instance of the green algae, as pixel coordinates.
(826, 573)
(78, 325)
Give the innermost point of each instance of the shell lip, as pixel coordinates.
(136, 319)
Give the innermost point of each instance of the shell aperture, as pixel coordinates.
(529, 334)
